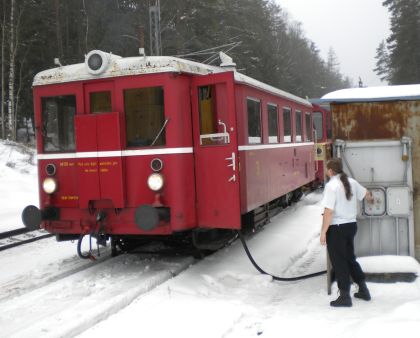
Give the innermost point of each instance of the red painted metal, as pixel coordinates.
(101, 178)
(270, 173)
(217, 183)
(87, 168)
(102, 173)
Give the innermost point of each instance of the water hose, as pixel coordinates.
(282, 279)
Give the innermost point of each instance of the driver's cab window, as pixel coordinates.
(100, 102)
(212, 105)
(58, 123)
(145, 117)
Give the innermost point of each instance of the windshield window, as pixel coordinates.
(100, 102)
(58, 123)
(145, 117)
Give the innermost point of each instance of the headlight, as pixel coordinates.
(155, 181)
(49, 185)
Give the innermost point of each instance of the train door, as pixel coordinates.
(98, 140)
(216, 151)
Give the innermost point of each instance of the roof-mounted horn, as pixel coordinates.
(97, 61)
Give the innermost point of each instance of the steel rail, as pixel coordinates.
(9, 240)
(14, 232)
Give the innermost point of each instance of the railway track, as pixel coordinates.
(17, 237)
(82, 296)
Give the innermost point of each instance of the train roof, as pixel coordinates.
(374, 94)
(119, 66)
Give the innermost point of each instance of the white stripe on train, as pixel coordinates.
(163, 151)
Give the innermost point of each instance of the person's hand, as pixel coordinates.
(369, 197)
(323, 238)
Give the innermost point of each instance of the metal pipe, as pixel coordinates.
(379, 144)
(371, 236)
(380, 238)
(397, 237)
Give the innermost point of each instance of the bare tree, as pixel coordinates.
(58, 29)
(3, 71)
(15, 23)
(12, 57)
(86, 25)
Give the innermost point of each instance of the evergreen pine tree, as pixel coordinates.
(382, 63)
(404, 41)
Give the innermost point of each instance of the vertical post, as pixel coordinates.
(154, 20)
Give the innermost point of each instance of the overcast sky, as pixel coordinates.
(353, 28)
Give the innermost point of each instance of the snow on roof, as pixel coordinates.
(372, 94)
(119, 66)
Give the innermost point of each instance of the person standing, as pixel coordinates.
(339, 228)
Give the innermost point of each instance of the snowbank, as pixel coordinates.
(18, 183)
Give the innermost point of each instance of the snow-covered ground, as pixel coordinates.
(220, 296)
(18, 183)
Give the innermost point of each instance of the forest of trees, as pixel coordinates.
(257, 34)
(398, 58)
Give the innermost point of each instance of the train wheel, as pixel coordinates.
(114, 249)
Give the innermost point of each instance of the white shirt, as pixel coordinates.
(345, 211)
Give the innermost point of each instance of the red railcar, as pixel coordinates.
(142, 146)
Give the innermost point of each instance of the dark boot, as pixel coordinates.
(363, 292)
(343, 300)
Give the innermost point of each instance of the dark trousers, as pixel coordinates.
(340, 245)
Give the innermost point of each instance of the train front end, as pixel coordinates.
(113, 151)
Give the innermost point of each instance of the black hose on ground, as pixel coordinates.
(283, 279)
(79, 249)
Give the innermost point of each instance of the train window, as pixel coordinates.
(308, 126)
(318, 125)
(145, 117)
(298, 126)
(100, 102)
(254, 120)
(273, 123)
(212, 103)
(287, 125)
(58, 123)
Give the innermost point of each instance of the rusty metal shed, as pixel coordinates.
(381, 113)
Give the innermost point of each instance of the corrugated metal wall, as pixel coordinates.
(383, 120)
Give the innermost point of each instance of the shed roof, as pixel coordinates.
(375, 94)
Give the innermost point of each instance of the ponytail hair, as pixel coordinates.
(336, 166)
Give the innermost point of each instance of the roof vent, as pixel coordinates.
(226, 61)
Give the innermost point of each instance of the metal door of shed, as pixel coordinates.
(385, 168)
